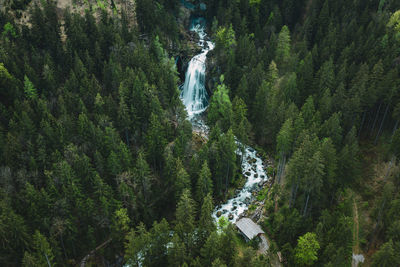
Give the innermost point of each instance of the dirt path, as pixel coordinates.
(357, 258)
(356, 248)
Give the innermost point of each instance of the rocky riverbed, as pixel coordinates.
(255, 171)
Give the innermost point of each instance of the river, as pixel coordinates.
(195, 98)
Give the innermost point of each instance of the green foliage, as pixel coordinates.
(30, 90)
(185, 220)
(225, 38)
(9, 31)
(220, 109)
(394, 22)
(386, 256)
(204, 185)
(282, 53)
(96, 139)
(306, 249)
(42, 254)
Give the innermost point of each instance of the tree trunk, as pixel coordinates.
(394, 129)
(305, 207)
(295, 193)
(281, 167)
(62, 244)
(390, 167)
(378, 221)
(382, 122)
(47, 259)
(362, 123)
(226, 180)
(376, 118)
(91, 253)
(291, 196)
(278, 172)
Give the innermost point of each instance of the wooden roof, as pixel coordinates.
(249, 228)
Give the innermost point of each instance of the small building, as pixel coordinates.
(249, 229)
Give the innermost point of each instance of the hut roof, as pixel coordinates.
(249, 228)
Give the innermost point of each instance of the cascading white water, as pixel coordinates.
(195, 98)
(253, 170)
(194, 94)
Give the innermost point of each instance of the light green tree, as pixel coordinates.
(42, 254)
(220, 110)
(29, 88)
(307, 249)
(282, 53)
(394, 23)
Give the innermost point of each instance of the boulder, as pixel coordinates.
(247, 173)
(234, 208)
(219, 213)
(224, 211)
(256, 175)
(230, 217)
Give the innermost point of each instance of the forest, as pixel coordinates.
(100, 164)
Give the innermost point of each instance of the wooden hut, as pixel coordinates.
(249, 229)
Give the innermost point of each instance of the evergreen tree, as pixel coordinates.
(204, 183)
(220, 110)
(185, 221)
(306, 249)
(206, 222)
(283, 49)
(30, 90)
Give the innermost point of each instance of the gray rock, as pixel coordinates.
(234, 208)
(219, 213)
(230, 217)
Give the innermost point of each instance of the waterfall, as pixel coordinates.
(195, 98)
(194, 94)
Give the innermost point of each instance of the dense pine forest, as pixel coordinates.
(101, 166)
